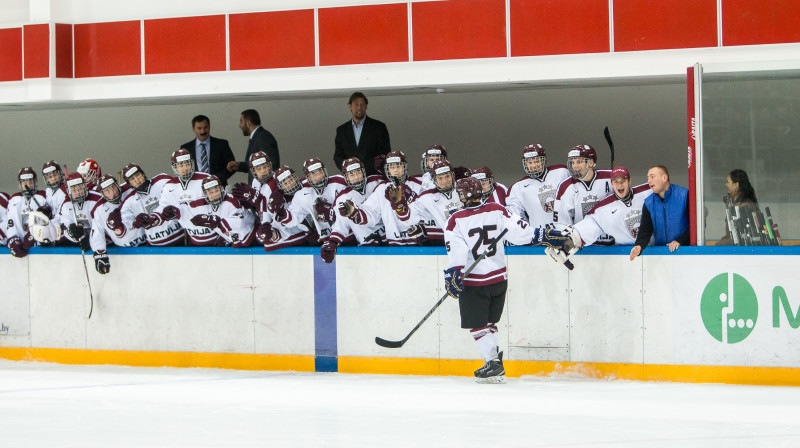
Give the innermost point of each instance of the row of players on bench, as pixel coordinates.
(279, 210)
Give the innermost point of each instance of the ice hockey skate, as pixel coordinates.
(492, 372)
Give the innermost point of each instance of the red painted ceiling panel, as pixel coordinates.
(658, 24)
(63, 50)
(37, 50)
(753, 22)
(108, 49)
(284, 39)
(540, 27)
(187, 44)
(363, 34)
(11, 54)
(459, 29)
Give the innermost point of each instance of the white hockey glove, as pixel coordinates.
(42, 229)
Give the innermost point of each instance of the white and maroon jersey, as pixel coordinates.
(178, 194)
(377, 209)
(18, 208)
(56, 197)
(101, 234)
(165, 233)
(3, 215)
(499, 194)
(236, 223)
(433, 208)
(615, 218)
(425, 181)
(471, 230)
(342, 228)
(534, 198)
(575, 197)
(301, 208)
(72, 213)
(265, 190)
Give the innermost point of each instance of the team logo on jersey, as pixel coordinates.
(150, 205)
(632, 221)
(588, 203)
(547, 198)
(25, 220)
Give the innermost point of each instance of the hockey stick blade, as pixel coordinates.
(610, 145)
(397, 344)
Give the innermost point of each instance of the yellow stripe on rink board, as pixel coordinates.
(239, 361)
(772, 376)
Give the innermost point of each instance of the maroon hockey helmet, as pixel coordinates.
(469, 190)
(113, 195)
(584, 152)
(287, 180)
(350, 168)
(129, 170)
(27, 174)
(443, 167)
(76, 187)
(392, 159)
(213, 191)
(534, 160)
(314, 164)
(181, 158)
(435, 153)
(485, 175)
(53, 174)
(256, 160)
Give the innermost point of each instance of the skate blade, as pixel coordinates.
(500, 379)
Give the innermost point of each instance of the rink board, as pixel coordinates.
(704, 314)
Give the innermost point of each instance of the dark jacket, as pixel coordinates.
(665, 219)
(262, 140)
(374, 141)
(219, 155)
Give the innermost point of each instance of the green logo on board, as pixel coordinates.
(729, 308)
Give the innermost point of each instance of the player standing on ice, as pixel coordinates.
(469, 232)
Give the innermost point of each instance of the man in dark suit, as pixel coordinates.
(361, 137)
(211, 154)
(260, 140)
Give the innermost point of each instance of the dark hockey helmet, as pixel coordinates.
(434, 153)
(129, 171)
(76, 187)
(440, 168)
(110, 188)
(27, 175)
(182, 159)
(470, 190)
(256, 160)
(393, 160)
(287, 180)
(311, 166)
(485, 175)
(580, 152)
(350, 169)
(534, 160)
(213, 191)
(53, 174)
(91, 172)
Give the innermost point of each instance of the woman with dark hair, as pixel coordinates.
(740, 194)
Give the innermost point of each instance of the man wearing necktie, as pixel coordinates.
(211, 154)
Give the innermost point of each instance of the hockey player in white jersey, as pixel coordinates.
(587, 186)
(482, 227)
(221, 214)
(280, 229)
(144, 200)
(314, 202)
(436, 205)
(55, 192)
(533, 197)
(359, 187)
(619, 215)
(380, 208)
(492, 191)
(75, 215)
(102, 232)
(435, 153)
(18, 209)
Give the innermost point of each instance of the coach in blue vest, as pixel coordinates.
(665, 214)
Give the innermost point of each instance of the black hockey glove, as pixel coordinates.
(452, 282)
(101, 262)
(76, 232)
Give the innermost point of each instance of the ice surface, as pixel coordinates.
(50, 405)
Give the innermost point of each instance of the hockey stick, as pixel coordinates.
(610, 144)
(397, 344)
(83, 253)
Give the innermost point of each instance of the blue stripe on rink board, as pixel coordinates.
(325, 332)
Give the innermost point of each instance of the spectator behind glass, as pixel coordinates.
(665, 214)
(740, 193)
